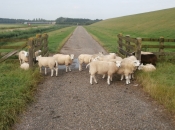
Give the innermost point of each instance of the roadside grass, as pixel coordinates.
(17, 86)
(159, 84)
(57, 38)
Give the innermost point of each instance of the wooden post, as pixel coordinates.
(138, 51)
(127, 43)
(30, 47)
(161, 43)
(120, 42)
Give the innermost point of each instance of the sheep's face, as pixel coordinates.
(118, 63)
(26, 54)
(72, 56)
(37, 58)
(140, 66)
(136, 63)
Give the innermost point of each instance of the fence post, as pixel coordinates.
(127, 43)
(139, 46)
(120, 42)
(161, 43)
(30, 47)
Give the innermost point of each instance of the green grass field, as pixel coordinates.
(159, 84)
(17, 86)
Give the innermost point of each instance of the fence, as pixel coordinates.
(40, 42)
(126, 45)
(14, 49)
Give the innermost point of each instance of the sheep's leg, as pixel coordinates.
(111, 78)
(90, 79)
(45, 70)
(108, 80)
(103, 76)
(69, 68)
(66, 68)
(127, 79)
(122, 77)
(95, 80)
(56, 69)
(52, 70)
(80, 67)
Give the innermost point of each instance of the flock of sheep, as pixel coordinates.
(105, 65)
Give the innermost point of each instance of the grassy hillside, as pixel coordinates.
(151, 24)
(159, 84)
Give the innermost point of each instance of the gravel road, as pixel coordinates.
(69, 102)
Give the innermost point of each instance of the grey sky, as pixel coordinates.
(91, 9)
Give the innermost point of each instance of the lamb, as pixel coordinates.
(148, 57)
(63, 59)
(127, 67)
(86, 58)
(48, 62)
(107, 57)
(102, 67)
(147, 67)
(23, 56)
(24, 66)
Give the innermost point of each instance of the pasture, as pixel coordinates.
(159, 84)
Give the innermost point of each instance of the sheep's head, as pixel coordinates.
(118, 63)
(140, 66)
(136, 63)
(26, 53)
(72, 56)
(37, 58)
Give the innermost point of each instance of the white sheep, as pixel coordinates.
(63, 59)
(23, 56)
(37, 53)
(87, 58)
(48, 62)
(147, 67)
(127, 67)
(24, 66)
(102, 68)
(106, 57)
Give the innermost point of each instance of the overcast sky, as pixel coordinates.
(90, 9)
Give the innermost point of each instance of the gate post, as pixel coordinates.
(30, 47)
(139, 46)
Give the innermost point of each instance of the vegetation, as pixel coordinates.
(75, 21)
(29, 32)
(16, 94)
(159, 84)
(17, 21)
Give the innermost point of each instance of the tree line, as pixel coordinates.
(60, 20)
(75, 21)
(12, 21)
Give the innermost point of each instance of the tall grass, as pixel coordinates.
(17, 86)
(159, 84)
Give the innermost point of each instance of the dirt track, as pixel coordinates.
(69, 102)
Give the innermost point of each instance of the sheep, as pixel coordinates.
(87, 58)
(147, 67)
(107, 57)
(48, 62)
(147, 57)
(63, 59)
(127, 67)
(24, 66)
(102, 67)
(37, 53)
(23, 56)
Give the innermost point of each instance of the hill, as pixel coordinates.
(150, 24)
